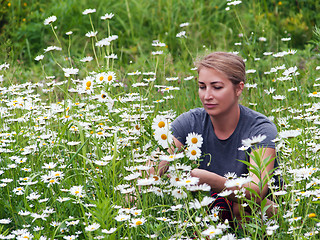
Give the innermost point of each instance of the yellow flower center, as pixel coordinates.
(109, 78)
(88, 84)
(103, 96)
(312, 215)
(194, 140)
(138, 223)
(188, 181)
(193, 152)
(100, 133)
(161, 124)
(164, 137)
(76, 192)
(101, 78)
(51, 181)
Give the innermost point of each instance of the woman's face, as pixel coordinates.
(217, 93)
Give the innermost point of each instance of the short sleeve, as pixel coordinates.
(267, 129)
(186, 123)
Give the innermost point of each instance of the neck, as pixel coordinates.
(225, 124)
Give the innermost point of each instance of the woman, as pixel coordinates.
(223, 124)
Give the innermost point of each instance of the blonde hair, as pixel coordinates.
(230, 64)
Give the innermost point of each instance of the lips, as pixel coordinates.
(210, 105)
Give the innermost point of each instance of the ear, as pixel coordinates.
(239, 88)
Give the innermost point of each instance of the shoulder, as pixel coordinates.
(254, 118)
(191, 121)
(196, 114)
(255, 124)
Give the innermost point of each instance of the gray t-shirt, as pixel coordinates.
(224, 154)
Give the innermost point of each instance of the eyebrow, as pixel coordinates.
(211, 82)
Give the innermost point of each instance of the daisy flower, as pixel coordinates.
(137, 222)
(50, 20)
(237, 182)
(92, 227)
(91, 34)
(194, 139)
(122, 217)
(212, 232)
(77, 191)
(88, 83)
(179, 193)
(88, 11)
(164, 137)
(110, 77)
(38, 58)
(86, 59)
(171, 157)
(107, 16)
(101, 77)
(111, 230)
(254, 140)
(193, 152)
(160, 122)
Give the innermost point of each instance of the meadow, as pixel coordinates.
(87, 97)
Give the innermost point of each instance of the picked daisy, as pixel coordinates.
(160, 122)
(164, 137)
(194, 139)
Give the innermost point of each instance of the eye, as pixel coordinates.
(201, 87)
(217, 88)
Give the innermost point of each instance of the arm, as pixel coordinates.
(217, 182)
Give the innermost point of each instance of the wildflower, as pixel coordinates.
(38, 58)
(251, 71)
(5, 221)
(157, 52)
(88, 83)
(171, 157)
(193, 153)
(254, 140)
(112, 56)
(181, 34)
(212, 232)
(137, 222)
(234, 3)
(86, 59)
(194, 139)
(103, 42)
(50, 20)
(91, 34)
(110, 231)
(52, 48)
(110, 77)
(107, 16)
(122, 217)
(312, 215)
(18, 190)
(184, 24)
(88, 11)
(145, 181)
(262, 39)
(285, 39)
(70, 71)
(69, 33)
(179, 193)
(92, 227)
(237, 182)
(289, 133)
(164, 137)
(77, 191)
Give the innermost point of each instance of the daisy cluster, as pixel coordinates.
(77, 149)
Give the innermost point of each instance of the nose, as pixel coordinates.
(208, 95)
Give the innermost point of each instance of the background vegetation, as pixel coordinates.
(50, 124)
